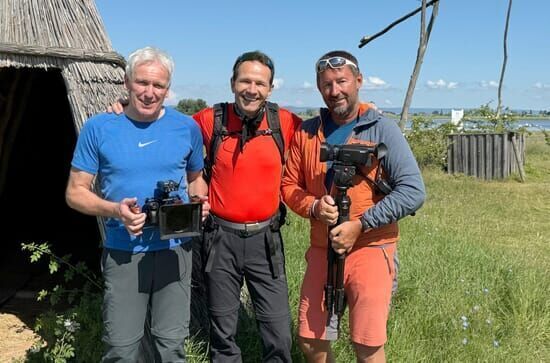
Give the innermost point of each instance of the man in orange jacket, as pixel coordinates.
(383, 191)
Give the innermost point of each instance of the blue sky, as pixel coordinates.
(461, 67)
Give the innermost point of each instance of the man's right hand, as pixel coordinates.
(118, 106)
(131, 215)
(326, 210)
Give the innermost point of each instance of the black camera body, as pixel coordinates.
(351, 154)
(174, 218)
(347, 157)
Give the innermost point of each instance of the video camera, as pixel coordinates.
(352, 154)
(174, 218)
(347, 157)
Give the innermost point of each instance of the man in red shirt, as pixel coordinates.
(244, 195)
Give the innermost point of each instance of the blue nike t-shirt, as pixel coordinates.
(130, 157)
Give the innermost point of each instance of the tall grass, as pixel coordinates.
(474, 276)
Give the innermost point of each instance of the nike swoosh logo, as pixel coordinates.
(143, 144)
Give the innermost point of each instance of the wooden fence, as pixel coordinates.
(486, 156)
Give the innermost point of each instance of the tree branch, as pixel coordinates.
(367, 39)
(424, 37)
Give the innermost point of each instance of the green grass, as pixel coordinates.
(473, 281)
(474, 277)
(478, 250)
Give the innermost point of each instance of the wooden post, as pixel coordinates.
(512, 136)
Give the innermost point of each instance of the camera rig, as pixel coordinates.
(174, 218)
(345, 160)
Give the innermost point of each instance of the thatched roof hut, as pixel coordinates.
(57, 68)
(67, 35)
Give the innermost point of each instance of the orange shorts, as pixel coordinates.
(368, 279)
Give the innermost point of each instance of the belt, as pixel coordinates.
(244, 227)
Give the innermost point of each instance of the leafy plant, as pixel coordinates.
(428, 141)
(76, 333)
(488, 120)
(190, 106)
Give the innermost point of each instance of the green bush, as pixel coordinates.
(428, 141)
(75, 334)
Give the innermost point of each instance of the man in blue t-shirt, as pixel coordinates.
(129, 154)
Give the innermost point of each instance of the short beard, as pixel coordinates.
(343, 112)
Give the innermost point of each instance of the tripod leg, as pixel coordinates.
(329, 287)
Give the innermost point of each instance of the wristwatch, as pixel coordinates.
(365, 226)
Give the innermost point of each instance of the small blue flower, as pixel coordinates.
(496, 344)
(465, 325)
(463, 318)
(488, 321)
(464, 341)
(485, 290)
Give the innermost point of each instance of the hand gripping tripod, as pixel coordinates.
(334, 289)
(346, 158)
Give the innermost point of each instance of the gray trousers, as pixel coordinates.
(157, 282)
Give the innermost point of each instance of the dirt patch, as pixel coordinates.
(17, 319)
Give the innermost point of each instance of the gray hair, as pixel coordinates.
(147, 55)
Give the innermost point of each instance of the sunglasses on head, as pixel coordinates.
(333, 62)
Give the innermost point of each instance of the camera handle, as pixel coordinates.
(334, 289)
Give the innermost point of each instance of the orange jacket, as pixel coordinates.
(304, 177)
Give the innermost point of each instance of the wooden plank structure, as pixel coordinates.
(486, 155)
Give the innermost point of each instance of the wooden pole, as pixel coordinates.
(517, 156)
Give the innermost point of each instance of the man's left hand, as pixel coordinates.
(344, 235)
(205, 205)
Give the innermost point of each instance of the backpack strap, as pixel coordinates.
(219, 130)
(274, 124)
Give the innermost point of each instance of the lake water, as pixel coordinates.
(530, 124)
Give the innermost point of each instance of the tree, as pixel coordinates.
(503, 69)
(190, 106)
(423, 44)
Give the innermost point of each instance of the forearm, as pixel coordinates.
(298, 199)
(87, 202)
(404, 176)
(197, 186)
(404, 200)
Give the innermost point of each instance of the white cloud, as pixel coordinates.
(171, 99)
(388, 102)
(541, 85)
(488, 84)
(441, 84)
(373, 82)
(278, 83)
(307, 85)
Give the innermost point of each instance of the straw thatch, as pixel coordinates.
(68, 35)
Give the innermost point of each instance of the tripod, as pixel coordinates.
(334, 288)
